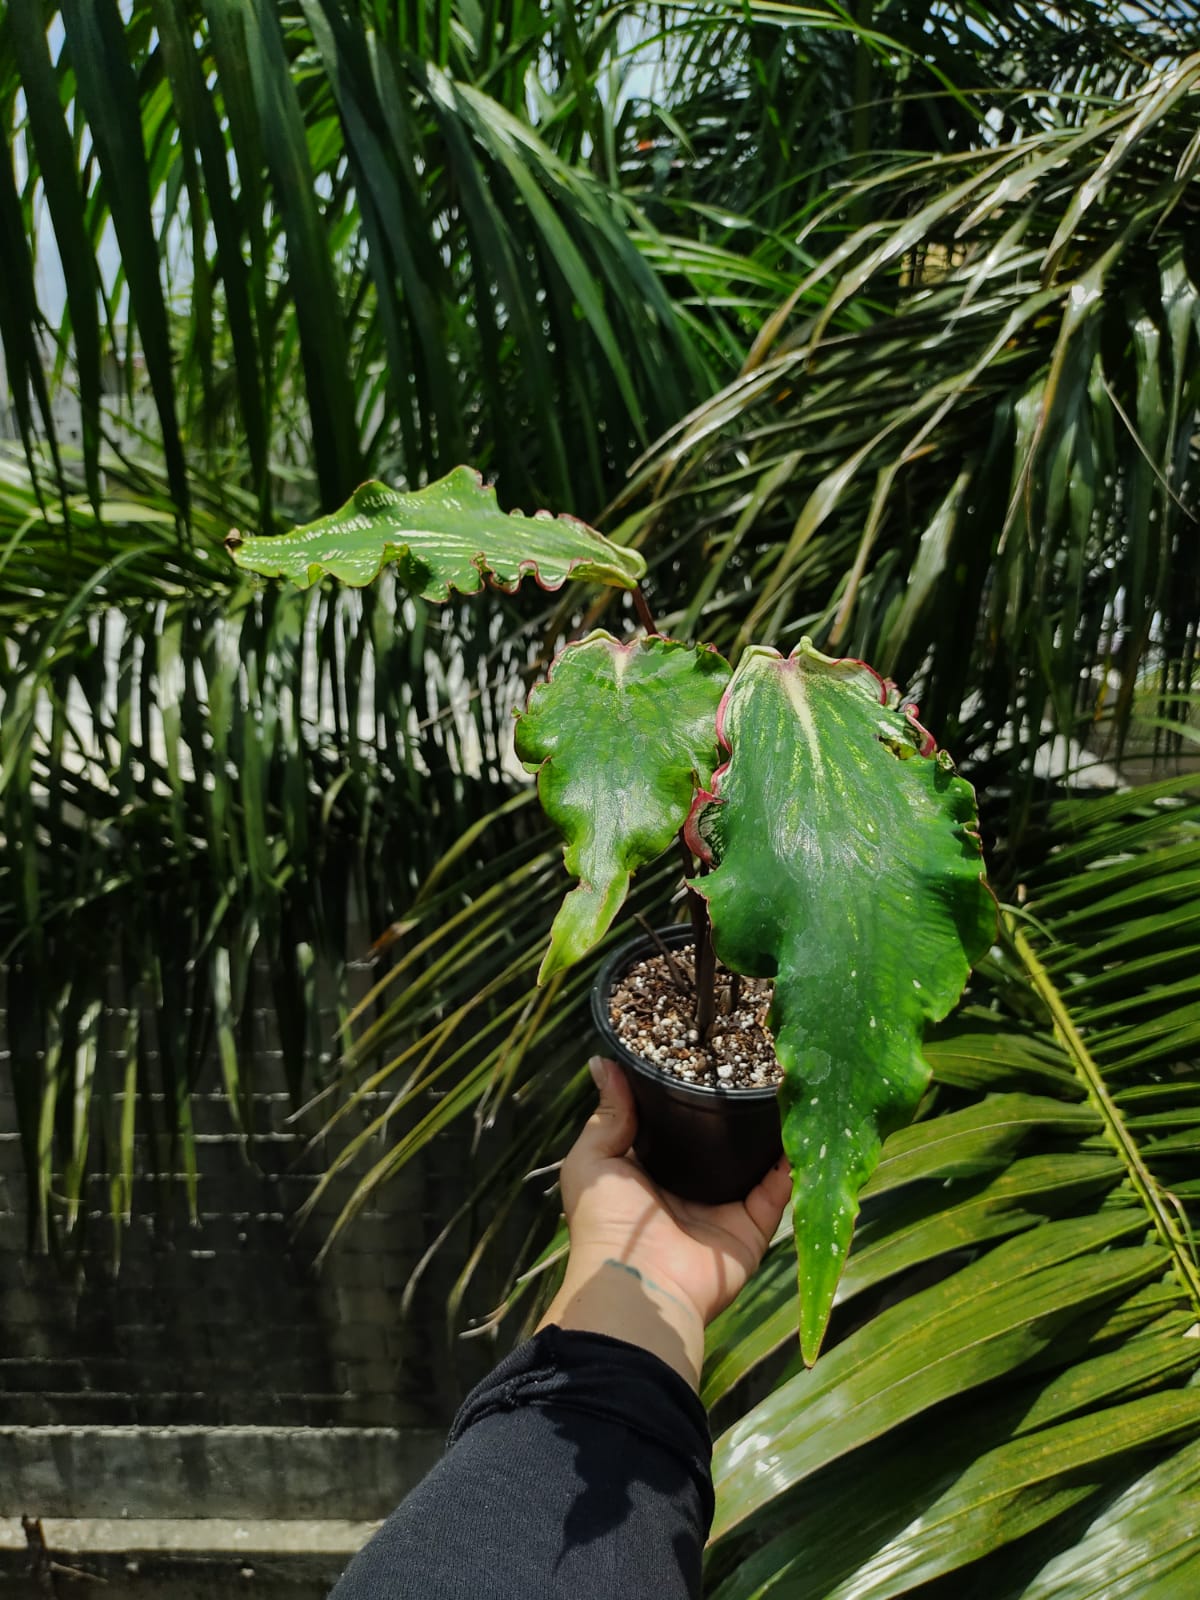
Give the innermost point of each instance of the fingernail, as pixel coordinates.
(598, 1068)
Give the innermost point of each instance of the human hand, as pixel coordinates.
(644, 1265)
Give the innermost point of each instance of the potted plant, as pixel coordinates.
(827, 846)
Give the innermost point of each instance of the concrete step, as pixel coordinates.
(263, 1474)
(185, 1558)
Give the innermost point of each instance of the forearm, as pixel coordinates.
(579, 1468)
(603, 1294)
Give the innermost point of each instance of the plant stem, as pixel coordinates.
(673, 967)
(642, 606)
(705, 955)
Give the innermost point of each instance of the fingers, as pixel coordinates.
(610, 1129)
(765, 1202)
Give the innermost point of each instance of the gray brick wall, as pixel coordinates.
(226, 1322)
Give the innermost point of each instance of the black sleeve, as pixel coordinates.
(579, 1469)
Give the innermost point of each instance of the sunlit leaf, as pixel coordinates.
(622, 736)
(845, 867)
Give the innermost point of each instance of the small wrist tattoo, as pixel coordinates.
(648, 1283)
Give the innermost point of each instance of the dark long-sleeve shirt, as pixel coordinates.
(579, 1470)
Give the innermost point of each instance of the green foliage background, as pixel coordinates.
(875, 324)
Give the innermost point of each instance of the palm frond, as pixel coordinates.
(986, 485)
(380, 253)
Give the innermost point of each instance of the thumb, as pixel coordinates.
(610, 1129)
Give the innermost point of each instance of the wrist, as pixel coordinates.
(602, 1293)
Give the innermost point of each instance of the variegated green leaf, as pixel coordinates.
(847, 868)
(450, 535)
(623, 735)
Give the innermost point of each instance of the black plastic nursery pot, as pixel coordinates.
(699, 1142)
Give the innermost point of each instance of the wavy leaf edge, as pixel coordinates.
(619, 566)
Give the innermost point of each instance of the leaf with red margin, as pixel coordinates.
(450, 535)
(847, 867)
(623, 736)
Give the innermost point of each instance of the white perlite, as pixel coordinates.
(655, 1019)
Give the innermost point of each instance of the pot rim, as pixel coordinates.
(676, 934)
